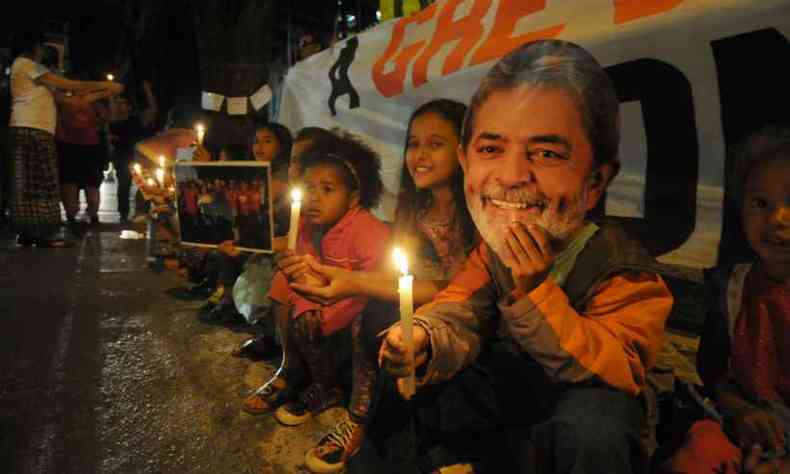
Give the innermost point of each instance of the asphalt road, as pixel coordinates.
(102, 370)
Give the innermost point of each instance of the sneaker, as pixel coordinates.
(336, 448)
(314, 400)
(269, 399)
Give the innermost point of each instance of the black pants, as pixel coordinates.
(502, 414)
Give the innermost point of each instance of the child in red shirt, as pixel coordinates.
(744, 355)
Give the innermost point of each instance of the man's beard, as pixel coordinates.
(560, 220)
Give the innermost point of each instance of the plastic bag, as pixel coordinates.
(252, 286)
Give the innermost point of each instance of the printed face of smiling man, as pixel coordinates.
(530, 161)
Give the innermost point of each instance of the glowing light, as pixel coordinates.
(296, 195)
(401, 261)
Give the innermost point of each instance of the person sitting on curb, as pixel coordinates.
(554, 319)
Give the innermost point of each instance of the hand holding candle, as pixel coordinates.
(405, 283)
(296, 210)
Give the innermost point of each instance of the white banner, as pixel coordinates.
(681, 67)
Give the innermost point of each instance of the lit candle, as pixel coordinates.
(201, 132)
(296, 209)
(160, 176)
(162, 162)
(150, 182)
(110, 77)
(138, 169)
(406, 312)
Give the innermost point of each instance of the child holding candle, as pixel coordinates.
(434, 229)
(263, 344)
(341, 182)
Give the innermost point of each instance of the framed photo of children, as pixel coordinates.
(225, 200)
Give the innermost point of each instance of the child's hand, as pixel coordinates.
(754, 426)
(291, 264)
(310, 278)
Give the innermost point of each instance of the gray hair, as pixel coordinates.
(561, 65)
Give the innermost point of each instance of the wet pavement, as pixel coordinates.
(101, 370)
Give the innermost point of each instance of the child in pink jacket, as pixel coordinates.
(342, 181)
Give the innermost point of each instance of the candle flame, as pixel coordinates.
(110, 77)
(401, 261)
(160, 175)
(296, 195)
(137, 168)
(150, 182)
(199, 127)
(162, 161)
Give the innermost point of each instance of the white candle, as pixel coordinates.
(138, 169)
(405, 292)
(296, 210)
(160, 176)
(162, 161)
(200, 130)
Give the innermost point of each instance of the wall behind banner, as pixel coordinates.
(693, 76)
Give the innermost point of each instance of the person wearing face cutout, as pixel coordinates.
(536, 353)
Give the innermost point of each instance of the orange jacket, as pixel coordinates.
(614, 337)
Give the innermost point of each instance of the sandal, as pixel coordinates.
(268, 400)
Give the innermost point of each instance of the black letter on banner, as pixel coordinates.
(338, 74)
(753, 84)
(672, 152)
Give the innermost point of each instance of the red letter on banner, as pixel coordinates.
(500, 42)
(627, 10)
(468, 29)
(391, 83)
